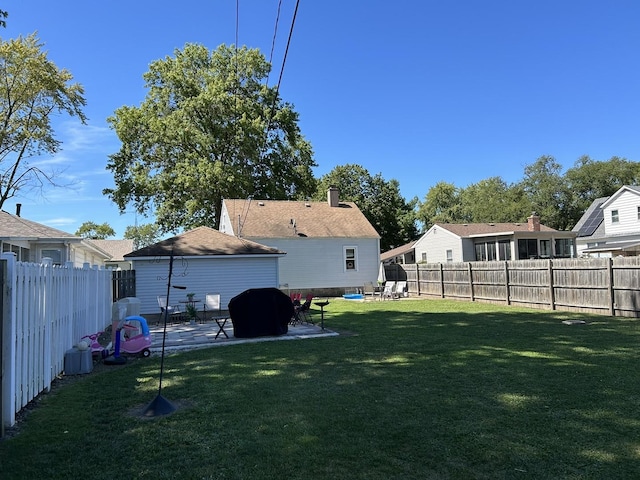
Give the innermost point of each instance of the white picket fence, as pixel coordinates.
(47, 310)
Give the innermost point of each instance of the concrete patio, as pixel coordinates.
(181, 336)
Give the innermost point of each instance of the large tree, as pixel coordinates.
(143, 235)
(493, 200)
(32, 90)
(547, 192)
(379, 200)
(94, 231)
(441, 204)
(209, 128)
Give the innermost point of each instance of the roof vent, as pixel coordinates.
(307, 204)
(261, 204)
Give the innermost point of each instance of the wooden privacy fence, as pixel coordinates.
(46, 310)
(608, 286)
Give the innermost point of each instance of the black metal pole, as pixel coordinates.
(160, 405)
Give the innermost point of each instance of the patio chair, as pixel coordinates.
(173, 312)
(211, 305)
(389, 290)
(304, 311)
(401, 289)
(369, 289)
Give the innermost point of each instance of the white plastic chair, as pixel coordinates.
(171, 310)
(389, 290)
(211, 304)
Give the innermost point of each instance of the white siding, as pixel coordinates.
(227, 276)
(319, 262)
(627, 204)
(435, 242)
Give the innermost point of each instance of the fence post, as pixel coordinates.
(552, 296)
(417, 279)
(8, 414)
(441, 280)
(470, 271)
(612, 298)
(507, 288)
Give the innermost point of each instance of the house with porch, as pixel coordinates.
(32, 242)
(471, 242)
(330, 246)
(404, 254)
(611, 225)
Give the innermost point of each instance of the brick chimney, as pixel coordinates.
(534, 222)
(333, 197)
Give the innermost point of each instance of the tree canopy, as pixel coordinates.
(94, 231)
(143, 235)
(32, 90)
(379, 200)
(208, 129)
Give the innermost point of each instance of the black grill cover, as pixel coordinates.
(260, 312)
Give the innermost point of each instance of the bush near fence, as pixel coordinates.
(46, 310)
(607, 286)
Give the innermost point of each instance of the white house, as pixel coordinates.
(329, 245)
(204, 261)
(611, 225)
(31, 242)
(469, 242)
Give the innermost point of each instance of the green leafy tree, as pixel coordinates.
(441, 204)
(379, 200)
(32, 90)
(492, 200)
(208, 129)
(143, 235)
(547, 192)
(94, 231)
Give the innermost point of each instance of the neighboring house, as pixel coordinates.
(611, 225)
(330, 245)
(31, 242)
(493, 241)
(403, 254)
(116, 250)
(204, 261)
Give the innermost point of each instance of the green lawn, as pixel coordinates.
(415, 389)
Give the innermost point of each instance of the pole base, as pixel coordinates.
(159, 406)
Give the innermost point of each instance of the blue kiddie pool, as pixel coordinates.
(353, 296)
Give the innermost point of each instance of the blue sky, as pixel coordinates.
(417, 90)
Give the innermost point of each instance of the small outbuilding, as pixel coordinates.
(204, 261)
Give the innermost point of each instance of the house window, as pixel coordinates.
(449, 255)
(527, 248)
(424, 257)
(504, 250)
(485, 251)
(564, 247)
(545, 248)
(54, 255)
(615, 218)
(350, 258)
(638, 213)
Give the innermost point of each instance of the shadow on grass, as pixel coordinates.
(424, 389)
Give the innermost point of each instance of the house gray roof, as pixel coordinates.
(203, 241)
(116, 248)
(15, 227)
(478, 229)
(288, 218)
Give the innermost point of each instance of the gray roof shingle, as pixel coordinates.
(203, 241)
